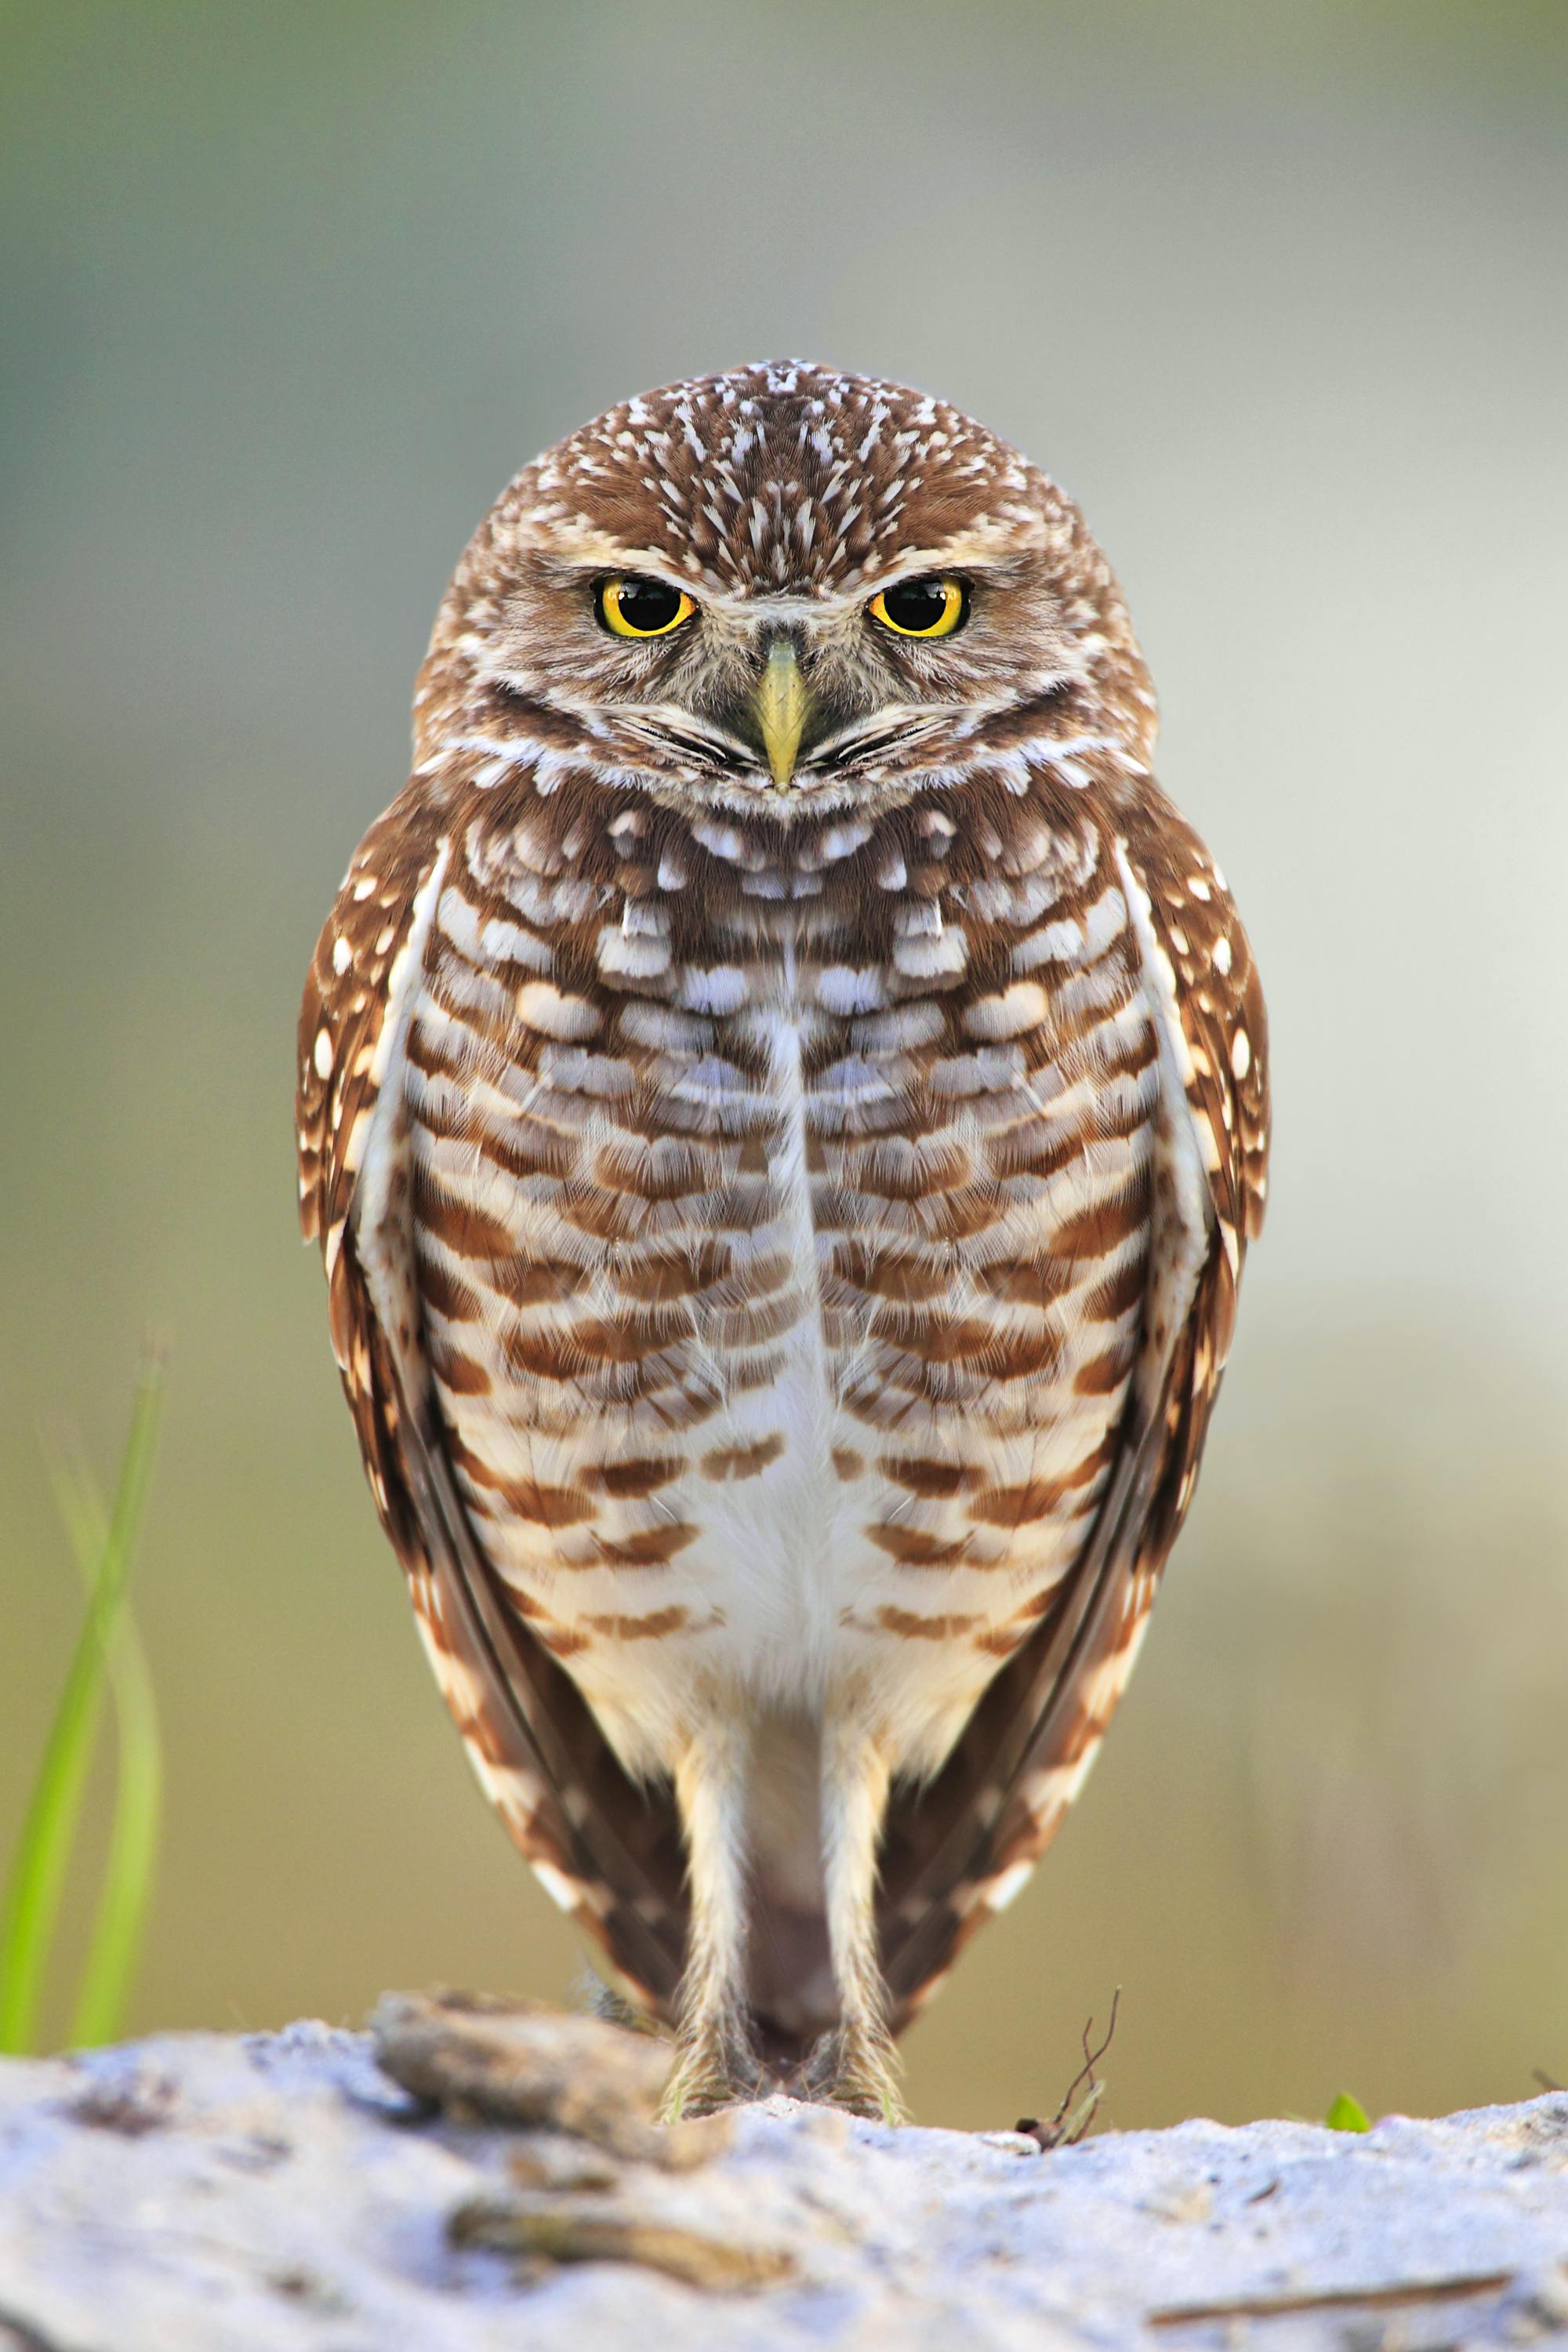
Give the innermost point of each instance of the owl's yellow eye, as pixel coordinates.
(922, 608)
(635, 607)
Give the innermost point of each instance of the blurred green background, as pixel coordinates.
(1278, 292)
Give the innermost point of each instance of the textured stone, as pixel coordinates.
(278, 2193)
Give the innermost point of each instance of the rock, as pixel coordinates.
(483, 2059)
(281, 2193)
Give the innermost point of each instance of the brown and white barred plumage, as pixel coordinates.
(783, 1238)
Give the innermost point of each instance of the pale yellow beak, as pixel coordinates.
(781, 706)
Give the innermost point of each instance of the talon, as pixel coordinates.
(856, 2068)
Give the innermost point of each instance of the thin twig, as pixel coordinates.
(1348, 2298)
(1069, 2124)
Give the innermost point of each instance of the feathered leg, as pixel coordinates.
(716, 2060)
(862, 2071)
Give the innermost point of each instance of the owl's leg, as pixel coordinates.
(863, 2071)
(715, 2060)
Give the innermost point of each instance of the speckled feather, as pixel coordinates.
(783, 1246)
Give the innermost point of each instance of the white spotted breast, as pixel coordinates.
(781, 1223)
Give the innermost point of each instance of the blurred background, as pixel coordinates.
(1277, 291)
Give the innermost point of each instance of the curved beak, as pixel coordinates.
(782, 704)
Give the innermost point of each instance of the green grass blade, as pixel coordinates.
(37, 1873)
(132, 1860)
(1347, 2114)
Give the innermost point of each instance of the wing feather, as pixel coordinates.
(958, 1849)
(608, 1851)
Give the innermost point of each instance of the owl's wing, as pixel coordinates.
(606, 1852)
(959, 1849)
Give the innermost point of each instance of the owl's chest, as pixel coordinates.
(736, 1270)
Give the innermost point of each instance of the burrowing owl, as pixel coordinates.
(783, 1103)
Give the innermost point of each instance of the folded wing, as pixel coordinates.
(958, 1849)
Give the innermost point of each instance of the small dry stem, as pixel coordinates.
(1082, 2097)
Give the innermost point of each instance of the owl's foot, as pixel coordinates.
(712, 2072)
(857, 2068)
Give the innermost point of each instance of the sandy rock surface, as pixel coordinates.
(282, 2193)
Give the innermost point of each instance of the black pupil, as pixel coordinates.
(918, 605)
(649, 604)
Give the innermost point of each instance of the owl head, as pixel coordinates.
(782, 589)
